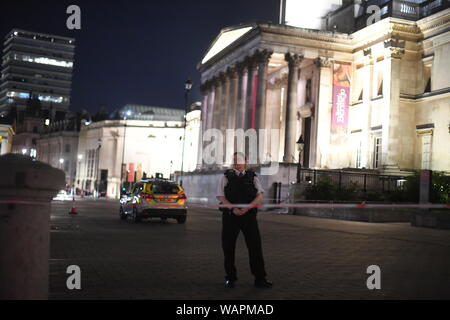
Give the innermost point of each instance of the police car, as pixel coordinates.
(154, 198)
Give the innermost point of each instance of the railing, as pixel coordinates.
(364, 181)
(405, 9)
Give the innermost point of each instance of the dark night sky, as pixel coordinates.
(135, 51)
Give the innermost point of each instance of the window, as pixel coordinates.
(358, 155)
(427, 79)
(426, 152)
(137, 189)
(380, 89)
(377, 153)
(378, 78)
(67, 148)
(90, 162)
(358, 85)
(165, 188)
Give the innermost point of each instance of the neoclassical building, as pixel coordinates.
(376, 98)
(136, 142)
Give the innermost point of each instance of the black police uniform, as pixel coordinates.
(241, 190)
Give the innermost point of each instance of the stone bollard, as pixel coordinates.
(26, 189)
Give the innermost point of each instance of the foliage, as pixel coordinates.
(325, 189)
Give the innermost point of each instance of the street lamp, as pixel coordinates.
(98, 166)
(80, 157)
(300, 147)
(187, 90)
(128, 113)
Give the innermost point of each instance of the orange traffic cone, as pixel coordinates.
(73, 210)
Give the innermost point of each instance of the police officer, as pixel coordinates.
(241, 187)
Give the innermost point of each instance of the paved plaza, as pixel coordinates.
(306, 258)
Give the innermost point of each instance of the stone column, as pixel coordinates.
(294, 61)
(369, 80)
(217, 103)
(204, 89)
(225, 80)
(204, 92)
(210, 108)
(322, 114)
(273, 109)
(391, 114)
(250, 63)
(232, 107)
(233, 98)
(262, 60)
(223, 119)
(26, 189)
(240, 107)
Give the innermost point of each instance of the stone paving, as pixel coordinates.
(306, 258)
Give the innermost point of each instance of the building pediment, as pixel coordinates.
(226, 38)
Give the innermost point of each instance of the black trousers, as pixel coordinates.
(231, 227)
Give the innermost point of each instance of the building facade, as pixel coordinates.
(38, 64)
(28, 127)
(6, 136)
(58, 146)
(137, 142)
(376, 98)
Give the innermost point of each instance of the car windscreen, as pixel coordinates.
(165, 188)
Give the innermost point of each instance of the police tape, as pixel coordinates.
(362, 205)
(42, 203)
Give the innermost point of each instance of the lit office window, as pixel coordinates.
(43, 60)
(45, 98)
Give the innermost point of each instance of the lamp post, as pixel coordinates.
(122, 169)
(300, 147)
(98, 167)
(80, 157)
(187, 90)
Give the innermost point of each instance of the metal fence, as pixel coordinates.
(364, 181)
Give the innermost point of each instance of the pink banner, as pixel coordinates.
(341, 102)
(131, 172)
(340, 106)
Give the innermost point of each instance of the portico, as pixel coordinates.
(374, 99)
(269, 78)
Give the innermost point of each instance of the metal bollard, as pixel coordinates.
(26, 190)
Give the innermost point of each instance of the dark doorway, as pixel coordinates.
(103, 182)
(307, 142)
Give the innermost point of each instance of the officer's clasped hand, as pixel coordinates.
(239, 212)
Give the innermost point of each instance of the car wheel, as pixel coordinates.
(123, 216)
(136, 217)
(181, 220)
